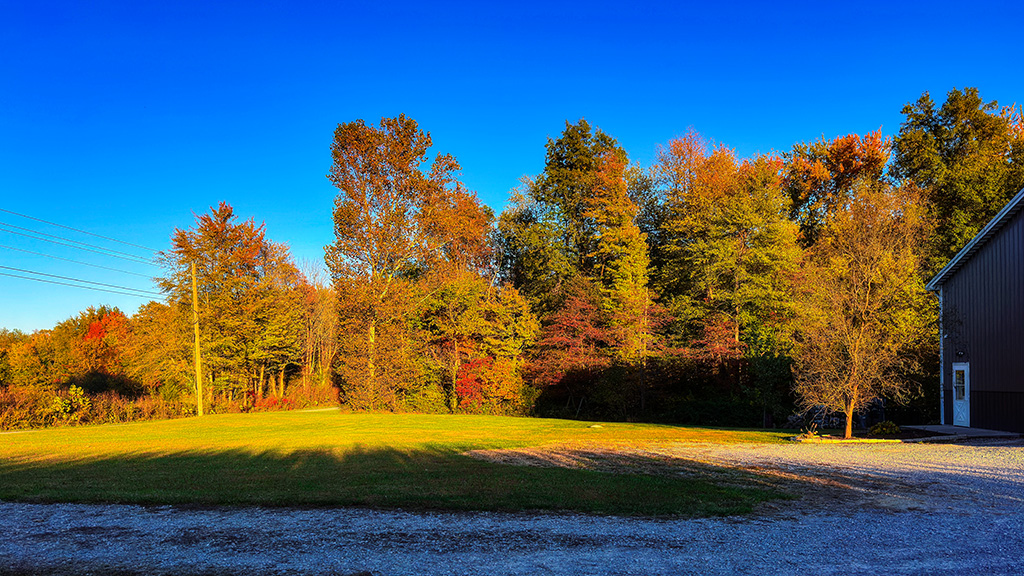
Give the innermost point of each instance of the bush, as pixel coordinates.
(312, 396)
(272, 404)
(886, 428)
(112, 408)
(22, 408)
(73, 406)
(429, 399)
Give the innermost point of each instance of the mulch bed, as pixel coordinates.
(863, 435)
(905, 434)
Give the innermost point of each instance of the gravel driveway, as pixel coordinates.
(868, 509)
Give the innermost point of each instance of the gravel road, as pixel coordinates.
(868, 509)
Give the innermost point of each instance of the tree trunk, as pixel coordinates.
(736, 309)
(259, 383)
(327, 353)
(308, 357)
(371, 368)
(453, 402)
(849, 415)
(307, 367)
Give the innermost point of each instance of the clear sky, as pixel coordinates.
(125, 119)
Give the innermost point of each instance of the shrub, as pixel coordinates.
(493, 386)
(885, 428)
(74, 406)
(22, 407)
(428, 399)
(272, 403)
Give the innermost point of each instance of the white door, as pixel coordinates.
(961, 394)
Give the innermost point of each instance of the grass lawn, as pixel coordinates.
(330, 458)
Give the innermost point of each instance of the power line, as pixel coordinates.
(98, 250)
(75, 261)
(112, 251)
(83, 281)
(77, 230)
(74, 285)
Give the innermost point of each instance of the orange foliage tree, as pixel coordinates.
(249, 312)
(397, 228)
(820, 176)
(730, 250)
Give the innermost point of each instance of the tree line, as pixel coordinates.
(704, 288)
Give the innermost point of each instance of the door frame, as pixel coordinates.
(962, 402)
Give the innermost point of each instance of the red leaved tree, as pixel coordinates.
(575, 346)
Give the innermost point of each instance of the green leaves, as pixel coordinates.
(967, 155)
(249, 315)
(730, 250)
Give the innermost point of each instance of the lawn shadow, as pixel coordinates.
(441, 477)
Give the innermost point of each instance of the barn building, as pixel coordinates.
(981, 349)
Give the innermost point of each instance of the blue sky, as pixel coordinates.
(127, 118)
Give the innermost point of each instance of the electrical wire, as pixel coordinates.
(75, 261)
(83, 281)
(110, 250)
(74, 285)
(77, 230)
(100, 250)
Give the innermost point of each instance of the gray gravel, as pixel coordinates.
(869, 509)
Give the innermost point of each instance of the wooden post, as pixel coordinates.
(195, 325)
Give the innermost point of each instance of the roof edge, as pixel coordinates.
(994, 225)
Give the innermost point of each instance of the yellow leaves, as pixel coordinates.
(862, 307)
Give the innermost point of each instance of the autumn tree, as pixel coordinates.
(87, 350)
(159, 351)
(730, 250)
(576, 224)
(820, 176)
(96, 343)
(862, 301)
(32, 362)
(574, 344)
(968, 155)
(621, 260)
(549, 232)
(319, 332)
(8, 340)
(479, 334)
(394, 223)
(452, 317)
(248, 301)
(619, 253)
(578, 219)
(512, 329)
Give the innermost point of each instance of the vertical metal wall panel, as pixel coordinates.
(983, 317)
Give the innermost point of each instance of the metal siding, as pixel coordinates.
(984, 319)
(1000, 410)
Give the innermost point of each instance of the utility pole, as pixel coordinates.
(195, 325)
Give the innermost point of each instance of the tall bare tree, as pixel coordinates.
(863, 301)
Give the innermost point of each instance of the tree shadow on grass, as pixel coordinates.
(424, 478)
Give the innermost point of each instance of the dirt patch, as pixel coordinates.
(614, 459)
(827, 478)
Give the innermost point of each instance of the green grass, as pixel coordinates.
(377, 460)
